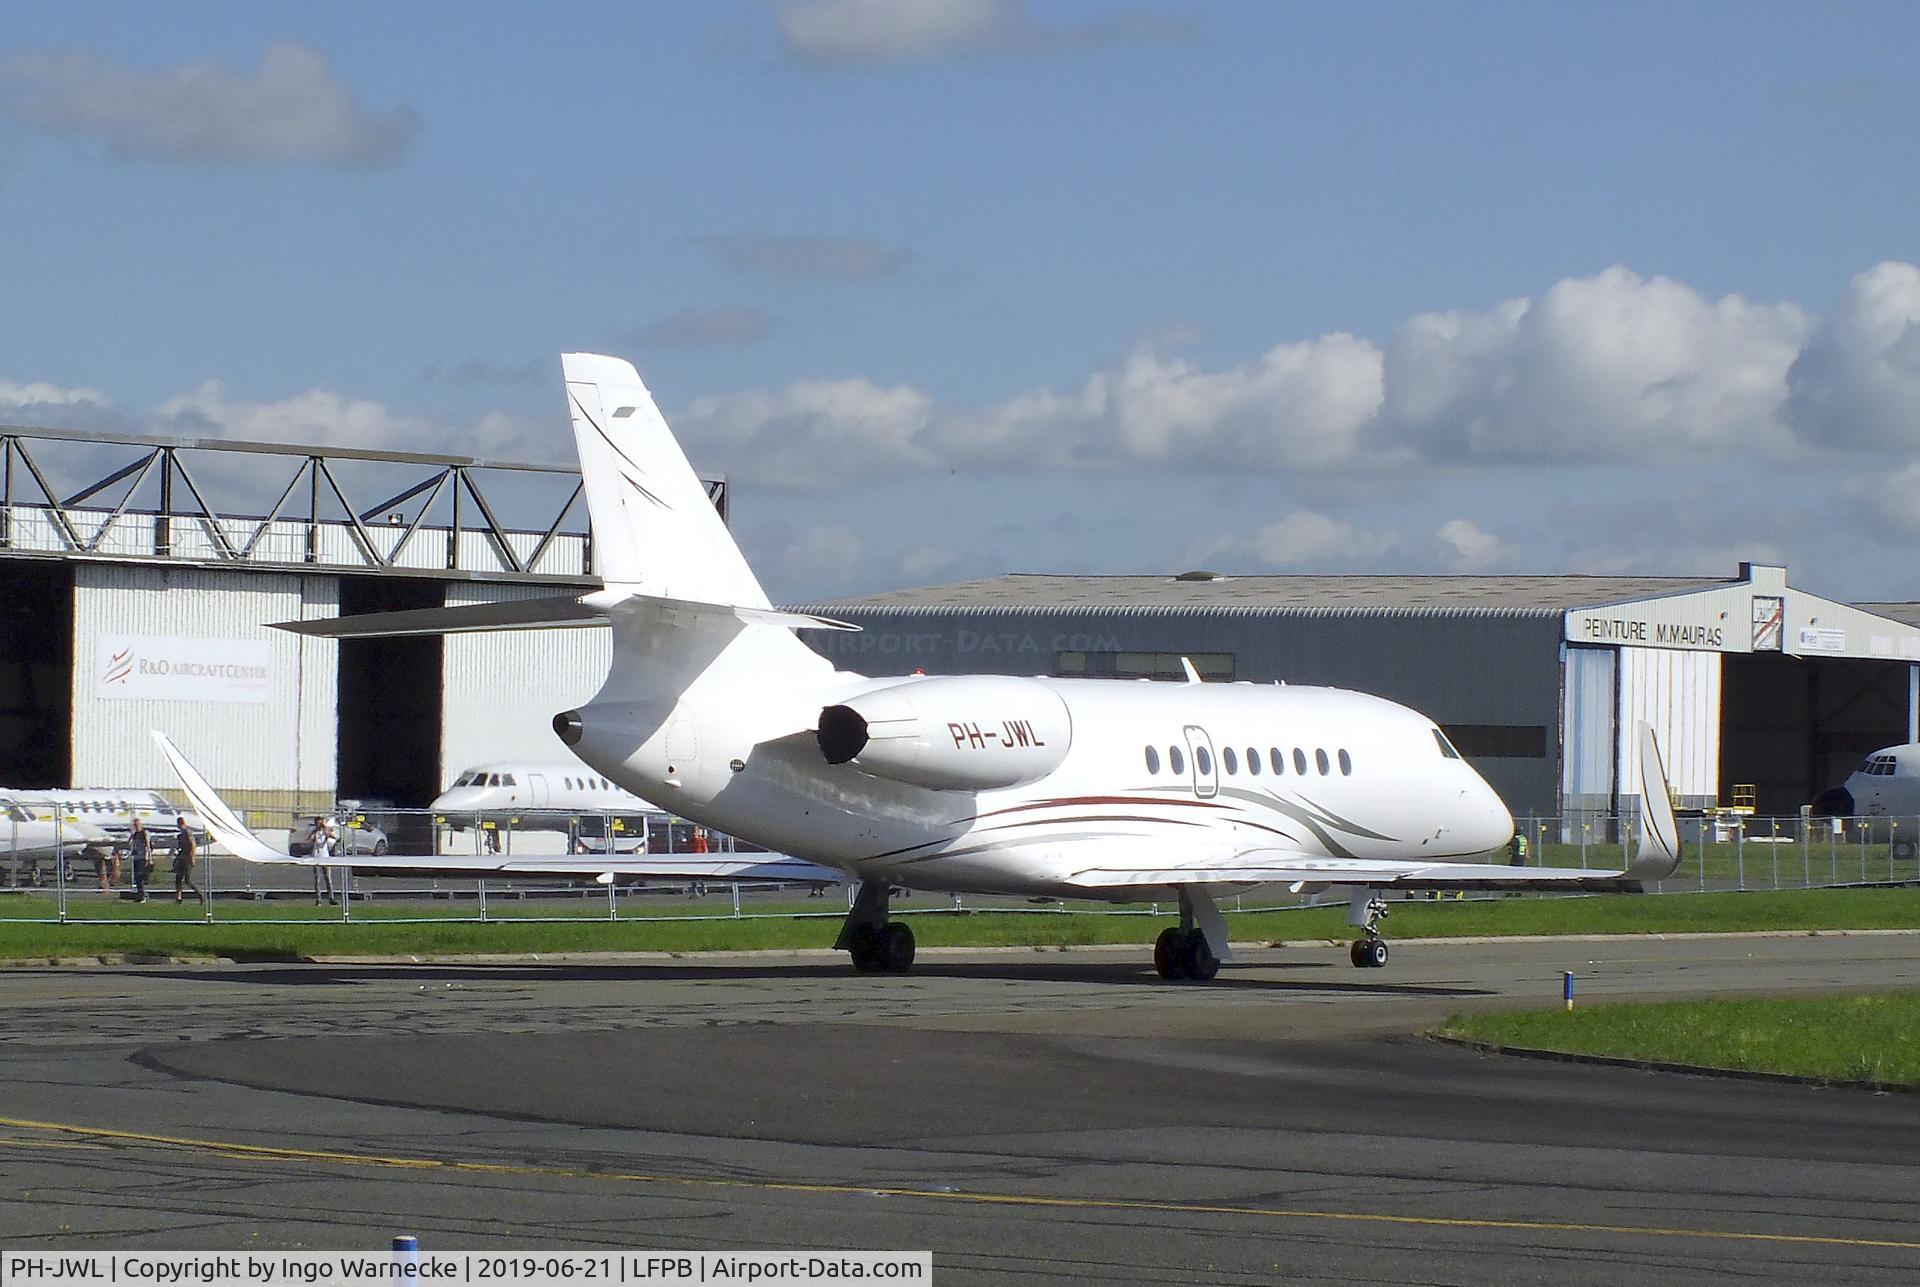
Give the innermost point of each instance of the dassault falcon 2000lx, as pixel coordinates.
(1086, 788)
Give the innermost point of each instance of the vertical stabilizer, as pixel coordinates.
(655, 531)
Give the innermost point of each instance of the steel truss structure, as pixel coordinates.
(311, 524)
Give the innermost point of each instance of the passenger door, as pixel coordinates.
(1201, 762)
(536, 789)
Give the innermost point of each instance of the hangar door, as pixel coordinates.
(36, 674)
(390, 689)
(1794, 726)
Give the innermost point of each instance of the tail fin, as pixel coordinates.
(1659, 852)
(655, 532)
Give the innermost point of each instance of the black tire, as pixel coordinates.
(1202, 964)
(1358, 954)
(1169, 954)
(380, 848)
(1376, 953)
(894, 951)
(864, 946)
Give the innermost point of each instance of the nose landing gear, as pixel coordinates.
(1367, 910)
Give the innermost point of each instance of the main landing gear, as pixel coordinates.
(1189, 952)
(876, 944)
(1367, 910)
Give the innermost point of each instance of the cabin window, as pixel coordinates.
(1320, 761)
(1253, 762)
(1153, 761)
(1202, 760)
(1230, 760)
(506, 779)
(1446, 747)
(1299, 761)
(1346, 765)
(1176, 761)
(1276, 760)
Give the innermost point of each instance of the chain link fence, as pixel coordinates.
(79, 871)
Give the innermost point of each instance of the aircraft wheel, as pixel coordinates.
(1169, 954)
(1376, 952)
(1202, 964)
(865, 949)
(894, 949)
(1358, 954)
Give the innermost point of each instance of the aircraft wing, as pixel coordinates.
(230, 830)
(1266, 866)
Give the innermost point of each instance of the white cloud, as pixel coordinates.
(823, 559)
(292, 109)
(814, 434)
(38, 393)
(1604, 367)
(325, 418)
(1307, 539)
(1469, 548)
(1298, 406)
(1858, 379)
(887, 31)
(1892, 499)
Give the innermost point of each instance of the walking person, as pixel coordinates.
(184, 850)
(140, 859)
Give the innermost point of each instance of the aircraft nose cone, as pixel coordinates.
(1493, 825)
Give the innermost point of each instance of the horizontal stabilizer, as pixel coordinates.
(523, 614)
(597, 609)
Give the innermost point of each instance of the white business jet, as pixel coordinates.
(1884, 794)
(557, 787)
(1085, 788)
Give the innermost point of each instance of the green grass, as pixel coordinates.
(243, 928)
(1861, 1038)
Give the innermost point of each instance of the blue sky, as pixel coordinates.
(955, 287)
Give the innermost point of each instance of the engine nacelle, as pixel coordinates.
(959, 732)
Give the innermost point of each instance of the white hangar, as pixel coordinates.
(1538, 679)
(141, 574)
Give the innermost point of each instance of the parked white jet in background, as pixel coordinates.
(1884, 794)
(562, 788)
(32, 832)
(1127, 791)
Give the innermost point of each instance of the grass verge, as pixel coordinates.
(247, 929)
(1873, 1039)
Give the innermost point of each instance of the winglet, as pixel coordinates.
(222, 822)
(1659, 852)
(1186, 664)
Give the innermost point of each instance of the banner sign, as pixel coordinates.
(163, 668)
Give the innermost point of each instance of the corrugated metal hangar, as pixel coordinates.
(1538, 679)
(140, 575)
(136, 602)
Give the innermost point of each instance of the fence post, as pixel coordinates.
(1773, 851)
(481, 885)
(60, 862)
(1740, 852)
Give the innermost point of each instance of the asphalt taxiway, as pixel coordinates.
(1034, 1116)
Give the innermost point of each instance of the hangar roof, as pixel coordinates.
(1544, 596)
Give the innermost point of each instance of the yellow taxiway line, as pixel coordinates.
(268, 1152)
